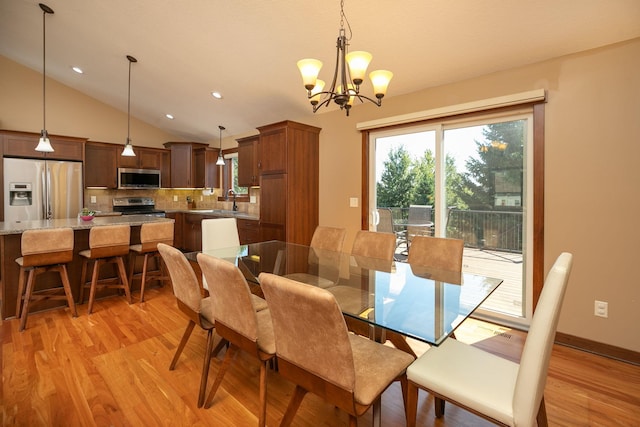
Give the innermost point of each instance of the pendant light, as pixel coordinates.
(220, 161)
(128, 148)
(44, 145)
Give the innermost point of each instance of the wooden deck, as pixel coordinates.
(507, 299)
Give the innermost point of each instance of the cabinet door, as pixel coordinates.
(273, 207)
(100, 165)
(273, 151)
(248, 161)
(192, 232)
(207, 173)
(181, 158)
(177, 228)
(150, 158)
(248, 231)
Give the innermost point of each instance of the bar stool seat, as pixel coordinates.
(151, 234)
(108, 244)
(43, 251)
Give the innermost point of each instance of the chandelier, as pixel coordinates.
(351, 68)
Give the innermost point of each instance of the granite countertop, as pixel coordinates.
(217, 212)
(17, 227)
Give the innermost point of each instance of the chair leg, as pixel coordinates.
(294, 404)
(541, 418)
(94, 283)
(143, 280)
(27, 297)
(183, 342)
(262, 417)
(228, 358)
(205, 368)
(67, 289)
(123, 277)
(439, 406)
(411, 404)
(83, 280)
(21, 279)
(132, 266)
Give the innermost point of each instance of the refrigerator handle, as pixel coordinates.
(48, 213)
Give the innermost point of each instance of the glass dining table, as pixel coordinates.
(424, 304)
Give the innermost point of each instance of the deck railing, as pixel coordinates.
(495, 230)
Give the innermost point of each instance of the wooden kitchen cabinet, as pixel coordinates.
(207, 173)
(23, 144)
(248, 231)
(178, 217)
(289, 187)
(248, 161)
(100, 165)
(183, 165)
(145, 158)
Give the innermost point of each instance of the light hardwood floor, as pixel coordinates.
(111, 369)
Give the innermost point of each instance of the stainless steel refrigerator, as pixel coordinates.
(41, 189)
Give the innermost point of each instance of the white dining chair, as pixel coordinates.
(497, 389)
(219, 233)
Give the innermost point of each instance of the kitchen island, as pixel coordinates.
(10, 238)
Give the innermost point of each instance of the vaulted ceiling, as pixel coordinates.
(247, 50)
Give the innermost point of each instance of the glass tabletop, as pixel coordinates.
(424, 304)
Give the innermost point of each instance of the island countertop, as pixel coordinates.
(18, 227)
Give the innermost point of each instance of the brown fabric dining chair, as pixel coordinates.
(151, 234)
(324, 257)
(239, 321)
(317, 353)
(44, 251)
(198, 310)
(439, 253)
(108, 244)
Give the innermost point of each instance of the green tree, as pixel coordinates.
(501, 153)
(395, 188)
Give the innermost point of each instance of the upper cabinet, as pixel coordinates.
(145, 158)
(289, 181)
(101, 164)
(248, 161)
(23, 144)
(193, 165)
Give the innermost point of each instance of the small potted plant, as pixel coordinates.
(86, 214)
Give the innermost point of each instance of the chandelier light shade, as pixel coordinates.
(349, 74)
(128, 148)
(44, 145)
(220, 161)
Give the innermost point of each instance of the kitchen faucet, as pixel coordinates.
(233, 193)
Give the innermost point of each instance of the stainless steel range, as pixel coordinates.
(136, 206)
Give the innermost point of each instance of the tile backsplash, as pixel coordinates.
(172, 199)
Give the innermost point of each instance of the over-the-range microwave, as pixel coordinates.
(138, 178)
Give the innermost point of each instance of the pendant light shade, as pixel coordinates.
(44, 145)
(220, 161)
(128, 148)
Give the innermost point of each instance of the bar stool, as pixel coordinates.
(108, 244)
(43, 251)
(151, 234)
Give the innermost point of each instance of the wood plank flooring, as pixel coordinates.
(111, 369)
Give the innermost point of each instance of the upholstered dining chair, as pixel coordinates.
(502, 391)
(108, 244)
(198, 310)
(219, 233)
(151, 233)
(439, 253)
(347, 370)
(238, 321)
(324, 257)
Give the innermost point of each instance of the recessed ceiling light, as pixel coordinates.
(216, 95)
(169, 116)
(77, 70)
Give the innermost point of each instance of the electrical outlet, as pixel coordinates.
(93, 199)
(601, 309)
(353, 202)
(175, 198)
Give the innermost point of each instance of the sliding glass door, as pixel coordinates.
(469, 180)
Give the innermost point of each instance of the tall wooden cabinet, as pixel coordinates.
(289, 188)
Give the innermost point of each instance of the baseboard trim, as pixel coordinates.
(600, 349)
